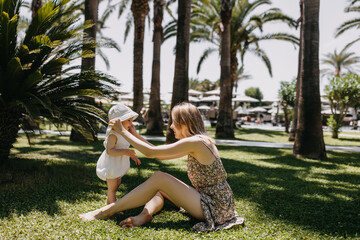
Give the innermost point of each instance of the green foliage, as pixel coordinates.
(36, 77)
(35, 72)
(339, 61)
(254, 93)
(246, 27)
(203, 86)
(287, 93)
(342, 92)
(352, 23)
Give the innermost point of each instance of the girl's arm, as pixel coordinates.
(180, 148)
(112, 151)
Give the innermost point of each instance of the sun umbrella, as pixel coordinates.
(210, 98)
(257, 109)
(194, 92)
(203, 107)
(244, 99)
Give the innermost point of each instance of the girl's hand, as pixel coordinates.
(117, 125)
(131, 154)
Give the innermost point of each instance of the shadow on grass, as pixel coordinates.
(318, 195)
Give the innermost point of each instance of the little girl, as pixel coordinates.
(114, 161)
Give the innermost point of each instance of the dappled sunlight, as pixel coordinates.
(262, 163)
(271, 187)
(317, 197)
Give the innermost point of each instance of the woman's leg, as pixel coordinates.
(150, 208)
(113, 185)
(180, 194)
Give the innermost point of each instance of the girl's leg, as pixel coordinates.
(180, 194)
(113, 185)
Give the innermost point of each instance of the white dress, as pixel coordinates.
(109, 167)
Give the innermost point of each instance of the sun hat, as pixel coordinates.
(123, 112)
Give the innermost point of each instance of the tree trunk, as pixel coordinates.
(234, 67)
(9, 127)
(35, 6)
(224, 126)
(296, 105)
(335, 133)
(154, 122)
(90, 14)
(181, 77)
(309, 141)
(140, 9)
(286, 116)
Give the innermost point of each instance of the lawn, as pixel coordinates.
(253, 134)
(46, 185)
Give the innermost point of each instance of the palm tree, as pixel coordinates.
(245, 25)
(181, 78)
(300, 62)
(224, 125)
(90, 15)
(88, 64)
(139, 9)
(35, 6)
(31, 85)
(154, 123)
(240, 76)
(339, 61)
(351, 24)
(309, 141)
(245, 29)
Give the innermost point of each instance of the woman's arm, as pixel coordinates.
(133, 131)
(180, 148)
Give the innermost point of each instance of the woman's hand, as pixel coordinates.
(132, 129)
(117, 125)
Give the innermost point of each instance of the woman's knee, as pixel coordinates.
(159, 176)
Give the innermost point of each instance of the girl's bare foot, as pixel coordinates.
(136, 221)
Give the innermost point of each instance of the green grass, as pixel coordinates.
(248, 134)
(44, 187)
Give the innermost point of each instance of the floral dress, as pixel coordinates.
(217, 199)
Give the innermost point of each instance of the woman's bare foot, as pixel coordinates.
(136, 221)
(90, 216)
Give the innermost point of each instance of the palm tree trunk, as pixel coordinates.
(300, 61)
(286, 116)
(181, 77)
(154, 123)
(309, 141)
(140, 9)
(90, 14)
(35, 6)
(224, 126)
(234, 67)
(9, 127)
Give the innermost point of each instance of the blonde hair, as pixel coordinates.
(188, 115)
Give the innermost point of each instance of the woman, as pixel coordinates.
(211, 200)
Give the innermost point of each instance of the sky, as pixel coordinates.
(283, 55)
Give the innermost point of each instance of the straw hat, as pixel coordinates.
(123, 112)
